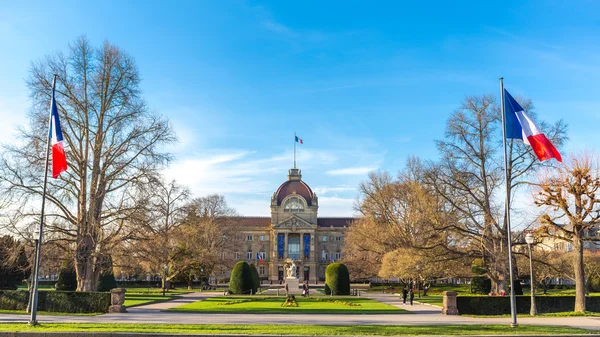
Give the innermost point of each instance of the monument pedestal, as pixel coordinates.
(293, 285)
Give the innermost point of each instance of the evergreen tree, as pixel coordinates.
(67, 277)
(14, 265)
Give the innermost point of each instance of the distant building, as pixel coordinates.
(294, 231)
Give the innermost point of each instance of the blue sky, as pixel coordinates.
(365, 84)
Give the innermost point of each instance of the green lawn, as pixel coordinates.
(133, 299)
(303, 330)
(272, 305)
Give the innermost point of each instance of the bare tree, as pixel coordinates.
(469, 177)
(569, 195)
(206, 240)
(113, 147)
(397, 214)
(164, 213)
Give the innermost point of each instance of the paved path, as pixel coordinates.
(423, 315)
(164, 305)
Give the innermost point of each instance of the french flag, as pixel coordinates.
(59, 160)
(521, 126)
(259, 258)
(299, 140)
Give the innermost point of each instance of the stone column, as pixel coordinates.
(285, 246)
(117, 298)
(450, 307)
(313, 257)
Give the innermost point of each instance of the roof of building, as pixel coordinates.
(290, 186)
(255, 221)
(264, 221)
(334, 222)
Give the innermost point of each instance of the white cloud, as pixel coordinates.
(326, 190)
(351, 171)
(334, 206)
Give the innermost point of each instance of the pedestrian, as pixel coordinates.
(411, 295)
(303, 289)
(287, 289)
(404, 294)
(307, 292)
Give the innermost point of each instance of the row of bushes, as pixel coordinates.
(57, 301)
(500, 305)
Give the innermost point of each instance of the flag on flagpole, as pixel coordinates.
(520, 126)
(298, 140)
(259, 257)
(59, 160)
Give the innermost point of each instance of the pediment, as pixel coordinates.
(294, 222)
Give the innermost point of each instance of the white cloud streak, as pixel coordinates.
(351, 171)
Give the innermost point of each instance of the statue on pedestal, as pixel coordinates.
(291, 272)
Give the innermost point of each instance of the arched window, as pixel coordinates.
(294, 205)
(263, 254)
(324, 255)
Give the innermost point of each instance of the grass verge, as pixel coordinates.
(272, 305)
(132, 300)
(304, 330)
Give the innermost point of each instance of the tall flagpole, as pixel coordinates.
(295, 149)
(513, 301)
(34, 303)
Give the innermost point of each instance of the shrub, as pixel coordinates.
(327, 291)
(518, 287)
(500, 305)
(255, 279)
(593, 284)
(480, 284)
(241, 281)
(14, 267)
(107, 281)
(57, 301)
(338, 279)
(67, 277)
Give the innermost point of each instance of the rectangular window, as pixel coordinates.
(338, 238)
(261, 270)
(338, 256)
(324, 238)
(249, 238)
(237, 255)
(263, 238)
(249, 255)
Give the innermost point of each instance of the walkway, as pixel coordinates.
(423, 315)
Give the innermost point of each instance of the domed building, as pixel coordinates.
(294, 231)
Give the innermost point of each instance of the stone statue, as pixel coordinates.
(291, 272)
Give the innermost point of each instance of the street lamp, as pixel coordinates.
(164, 280)
(529, 240)
(36, 235)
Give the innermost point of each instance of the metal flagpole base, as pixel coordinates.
(514, 325)
(32, 323)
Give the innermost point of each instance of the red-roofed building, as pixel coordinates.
(294, 231)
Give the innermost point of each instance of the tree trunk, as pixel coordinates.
(579, 272)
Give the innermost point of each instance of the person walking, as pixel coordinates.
(404, 295)
(287, 289)
(307, 291)
(411, 295)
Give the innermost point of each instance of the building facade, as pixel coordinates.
(293, 231)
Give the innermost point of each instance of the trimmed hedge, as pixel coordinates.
(500, 305)
(338, 278)
(57, 301)
(241, 281)
(255, 279)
